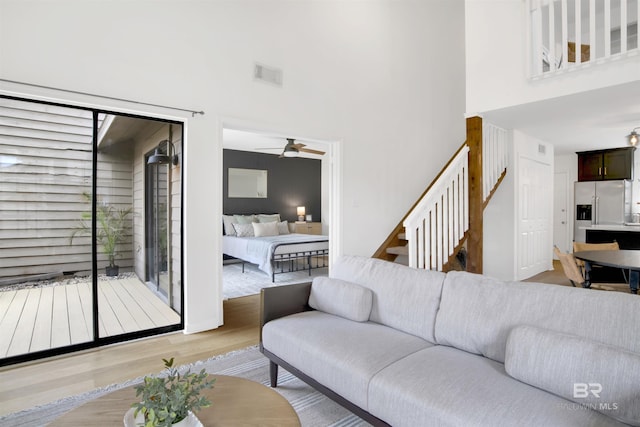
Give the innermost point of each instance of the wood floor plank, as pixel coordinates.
(86, 301)
(24, 329)
(60, 318)
(157, 310)
(41, 339)
(78, 330)
(132, 306)
(125, 318)
(6, 297)
(10, 321)
(107, 315)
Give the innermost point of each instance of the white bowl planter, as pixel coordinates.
(130, 421)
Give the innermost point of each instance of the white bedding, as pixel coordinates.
(258, 250)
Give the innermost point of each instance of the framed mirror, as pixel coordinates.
(247, 183)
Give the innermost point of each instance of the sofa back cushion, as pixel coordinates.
(341, 298)
(404, 298)
(596, 375)
(478, 312)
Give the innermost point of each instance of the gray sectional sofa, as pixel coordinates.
(407, 347)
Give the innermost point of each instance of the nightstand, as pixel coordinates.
(308, 227)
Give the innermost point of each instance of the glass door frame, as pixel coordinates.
(97, 340)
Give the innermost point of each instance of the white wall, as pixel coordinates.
(567, 165)
(499, 226)
(377, 76)
(518, 222)
(497, 62)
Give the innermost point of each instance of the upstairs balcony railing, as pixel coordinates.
(567, 34)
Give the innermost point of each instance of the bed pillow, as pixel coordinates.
(244, 219)
(283, 227)
(228, 221)
(341, 298)
(243, 230)
(262, 229)
(269, 218)
(587, 372)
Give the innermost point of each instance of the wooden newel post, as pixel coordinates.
(474, 242)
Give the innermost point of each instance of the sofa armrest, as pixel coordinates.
(280, 301)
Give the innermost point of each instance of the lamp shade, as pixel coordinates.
(158, 158)
(301, 211)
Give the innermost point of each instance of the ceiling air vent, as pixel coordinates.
(267, 74)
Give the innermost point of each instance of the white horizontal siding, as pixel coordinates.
(45, 167)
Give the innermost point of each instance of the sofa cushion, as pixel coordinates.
(597, 375)
(443, 386)
(478, 312)
(403, 298)
(341, 354)
(344, 299)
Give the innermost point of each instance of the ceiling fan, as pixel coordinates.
(292, 149)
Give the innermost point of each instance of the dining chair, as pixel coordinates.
(581, 246)
(570, 267)
(574, 273)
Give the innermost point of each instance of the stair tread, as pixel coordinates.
(398, 250)
(402, 236)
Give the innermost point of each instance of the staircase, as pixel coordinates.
(447, 218)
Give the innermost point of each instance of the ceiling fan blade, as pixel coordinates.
(298, 145)
(308, 150)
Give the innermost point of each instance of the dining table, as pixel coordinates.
(624, 259)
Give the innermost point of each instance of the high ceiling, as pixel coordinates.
(590, 120)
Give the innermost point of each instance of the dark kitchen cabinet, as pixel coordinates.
(606, 164)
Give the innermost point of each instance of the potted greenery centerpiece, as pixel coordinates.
(170, 399)
(111, 230)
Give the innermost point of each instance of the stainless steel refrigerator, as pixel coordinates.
(601, 203)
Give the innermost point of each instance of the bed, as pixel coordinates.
(279, 253)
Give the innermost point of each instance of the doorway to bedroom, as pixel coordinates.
(276, 210)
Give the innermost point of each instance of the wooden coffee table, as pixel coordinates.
(236, 401)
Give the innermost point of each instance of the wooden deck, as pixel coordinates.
(53, 316)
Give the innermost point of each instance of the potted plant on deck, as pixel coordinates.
(170, 399)
(110, 231)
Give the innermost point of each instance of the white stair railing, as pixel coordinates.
(440, 219)
(572, 33)
(494, 156)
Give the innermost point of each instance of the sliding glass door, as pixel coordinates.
(90, 243)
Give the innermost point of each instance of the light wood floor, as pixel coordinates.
(41, 318)
(35, 383)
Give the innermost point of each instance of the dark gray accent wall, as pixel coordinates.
(291, 182)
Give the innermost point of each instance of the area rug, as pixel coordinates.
(236, 284)
(312, 407)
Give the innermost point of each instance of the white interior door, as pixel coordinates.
(534, 217)
(560, 211)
